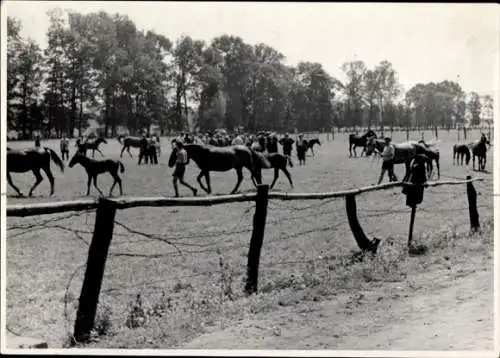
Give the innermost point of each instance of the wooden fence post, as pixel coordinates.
(98, 252)
(359, 235)
(472, 198)
(259, 225)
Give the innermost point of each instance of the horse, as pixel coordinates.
(431, 152)
(405, 152)
(209, 158)
(311, 143)
(479, 149)
(360, 141)
(461, 151)
(134, 142)
(95, 167)
(93, 145)
(36, 159)
(278, 162)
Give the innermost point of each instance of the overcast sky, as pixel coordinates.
(424, 42)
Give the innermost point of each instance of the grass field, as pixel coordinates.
(188, 263)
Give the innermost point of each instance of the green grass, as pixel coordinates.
(186, 294)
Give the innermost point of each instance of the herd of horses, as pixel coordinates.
(222, 159)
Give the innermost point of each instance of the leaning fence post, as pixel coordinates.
(359, 235)
(98, 252)
(259, 224)
(472, 198)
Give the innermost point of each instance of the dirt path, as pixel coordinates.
(436, 311)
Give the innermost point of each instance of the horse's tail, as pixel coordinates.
(55, 158)
(122, 167)
(289, 160)
(260, 160)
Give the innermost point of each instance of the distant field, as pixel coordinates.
(303, 247)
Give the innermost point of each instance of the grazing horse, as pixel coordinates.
(278, 162)
(431, 152)
(360, 141)
(134, 142)
(479, 149)
(311, 143)
(36, 159)
(459, 152)
(95, 167)
(93, 145)
(210, 158)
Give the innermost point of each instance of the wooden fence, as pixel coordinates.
(105, 219)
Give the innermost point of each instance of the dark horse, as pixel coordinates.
(360, 141)
(95, 167)
(479, 149)
(93, 146)
(311, 143)
(459, 152)
(36, 159)
(134, 142)
(210, 158)
(431, 153)
(405, 152)
(278, 162)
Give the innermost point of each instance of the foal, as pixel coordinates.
(95, 167)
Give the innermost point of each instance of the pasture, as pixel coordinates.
(188, 263)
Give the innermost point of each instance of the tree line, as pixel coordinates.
(101, 67)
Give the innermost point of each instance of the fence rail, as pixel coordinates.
(24, 210)
(105, 220)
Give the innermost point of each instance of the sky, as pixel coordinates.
(424, 42)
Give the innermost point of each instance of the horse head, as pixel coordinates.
(101, 140)
(75, 160)
(370, 146)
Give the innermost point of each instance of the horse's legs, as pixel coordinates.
(276, 175)
(89, 181)
(207, 178)
(483, 164)
(93, 153)
(39, 179)
(198, 179)
(128, 150)
(473, 161)
(102, 155)
(287, 173)
(239, 173)
(51, 179)
(350, 151)
(116, 179)
(95, 184)
(121, 153)
(11, 183)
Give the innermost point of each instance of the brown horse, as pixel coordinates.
(127, 141)
(278, 162)
(479, 149)
(35, 159)
(210, 158)
(95, 167)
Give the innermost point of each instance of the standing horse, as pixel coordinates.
(95, 167)
(360, 141)
(93, 145)
(36, 159)
(479, 150)
(311, 143)
(404, 152)
(459, 152)
(134, 142)
(278, 162)
(210, 158)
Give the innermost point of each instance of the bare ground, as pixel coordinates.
(456, 312)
